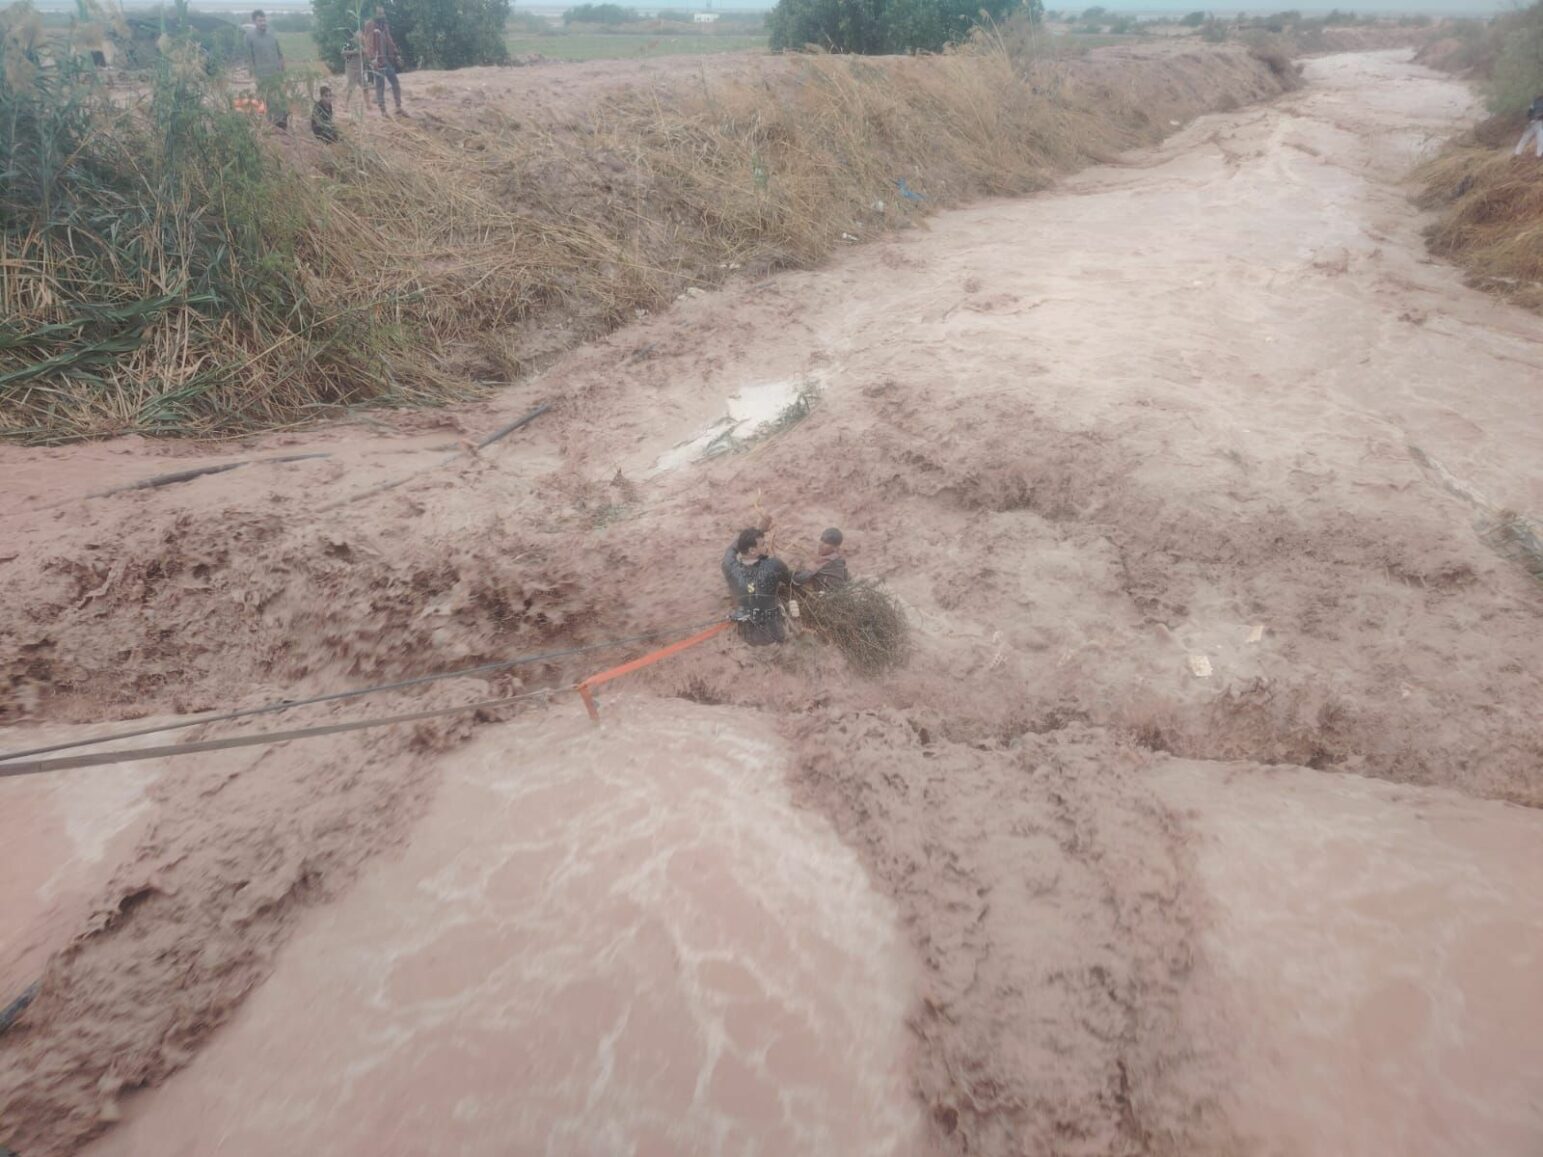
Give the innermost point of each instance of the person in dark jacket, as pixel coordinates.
(754, 578)
(1534, 133)
(383, 58)
(830, 566)
(321, 116)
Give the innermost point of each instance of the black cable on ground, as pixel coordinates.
(384, 487)
(416, 681)
(133, 754)
(511, 427)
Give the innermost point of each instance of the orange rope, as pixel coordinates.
(593, 681)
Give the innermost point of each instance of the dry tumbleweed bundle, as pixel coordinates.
(865, 622)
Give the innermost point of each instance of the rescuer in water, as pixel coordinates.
(755, 579)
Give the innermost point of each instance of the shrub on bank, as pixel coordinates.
(1491, 205)
(1517, 75)
(1505, 54)
(429, 33)
(879, 27)
(450, 33)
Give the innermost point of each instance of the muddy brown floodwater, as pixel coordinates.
(592, 945)
(1207, 817)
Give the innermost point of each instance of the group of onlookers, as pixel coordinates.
(373, 49)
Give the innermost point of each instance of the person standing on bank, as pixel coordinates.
(267, 61)
(1534, 133)
(380, 52)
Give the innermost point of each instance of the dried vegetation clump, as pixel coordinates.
(865, 622)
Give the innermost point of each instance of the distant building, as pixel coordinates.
(706, 18)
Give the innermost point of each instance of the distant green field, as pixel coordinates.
(627, 46)
(1101, 39)
(298, 47)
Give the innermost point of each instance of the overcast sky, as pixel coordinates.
(1225, 7)
(1138, 7)
(1449, 7)
(1160, 7)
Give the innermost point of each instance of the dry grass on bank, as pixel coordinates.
(1491, 218)
(556, 235)
(476, 248)
(1490, 203)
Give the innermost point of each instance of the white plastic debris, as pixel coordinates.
(751, 412)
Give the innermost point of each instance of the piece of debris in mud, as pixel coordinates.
(699, 690)
(1509, 533)
(865, 622)
(755, 413)
(13, 1010)
(1518, 538)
